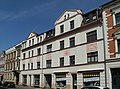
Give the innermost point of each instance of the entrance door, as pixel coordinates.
(17, 78)
(115, 78)
(48, 80)
(30, 79)
(74, 76)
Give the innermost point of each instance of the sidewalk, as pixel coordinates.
(25, 87)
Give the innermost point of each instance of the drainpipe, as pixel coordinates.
(104, 48)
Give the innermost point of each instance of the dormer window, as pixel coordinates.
(29, 42)
(64, 17)
(41, 39)
(72, 24)
(32, 41)
(38, 40)
(61, 28)
(68, 15)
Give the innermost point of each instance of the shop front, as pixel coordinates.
(115, 78)
(24, 80)
(60, 81)
(36, 80)
(92, 78)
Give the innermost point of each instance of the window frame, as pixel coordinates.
(72, 24)
(72, 60)
(72, 41)
(62, 44)
(91, 36)
(48, 63)
(91, 57)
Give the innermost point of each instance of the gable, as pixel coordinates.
(67, 14)
(32, 34)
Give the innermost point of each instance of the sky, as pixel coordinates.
(20, 17)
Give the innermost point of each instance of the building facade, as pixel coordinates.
(2, 62)
(69, 56)
(111, 24)
(12, 64)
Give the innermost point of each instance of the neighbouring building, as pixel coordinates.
(69, 56)
(2, 62)
(12, 64)
(111, 24)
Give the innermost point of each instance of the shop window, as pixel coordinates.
(92, 57)
(48, 63)
(92, 79)
(49, 48)
(60, 81)
(62, 44)
(61, 28)
(72, 41)
(92, 36)
(38, 65)
(72, 60)
(118, 45)
(36, 79)
(62, 61)
(24, 79)
(117, 17)
(72, 24)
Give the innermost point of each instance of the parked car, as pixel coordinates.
(9, 84)
(94, 87)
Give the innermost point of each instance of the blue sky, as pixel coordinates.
(20, 17)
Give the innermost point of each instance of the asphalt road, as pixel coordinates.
(20, 87)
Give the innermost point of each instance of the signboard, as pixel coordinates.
(91, 79)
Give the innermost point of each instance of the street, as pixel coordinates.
(20, 87)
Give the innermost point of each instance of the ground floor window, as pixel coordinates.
(91, 79)
(36, 79)
(24, 79)
(61, 80)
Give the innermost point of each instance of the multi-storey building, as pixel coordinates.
(12, 64)
(111, 24)
(69, 56)
(2, 62)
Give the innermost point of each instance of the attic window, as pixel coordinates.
(64, 17)
(68, 15)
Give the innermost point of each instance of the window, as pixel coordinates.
(48, 63)
(61, 28)
(23, 66)
(72, 41)
(29, 42)
(18, 53)
(62, 44)
(32, 41)
(62, 61)
(118, 45)
(32, 53)
(72, 24)
(117, 17)
(38, 51)
(38, 40)
(49, 48)
(31, 65)
(23, 55)
(38, 65)
(28, 66)
(92, 36)
(29, 54)
(72, 60)
(92, 57)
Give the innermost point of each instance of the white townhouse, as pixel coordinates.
(69, 56)
(111, 24)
